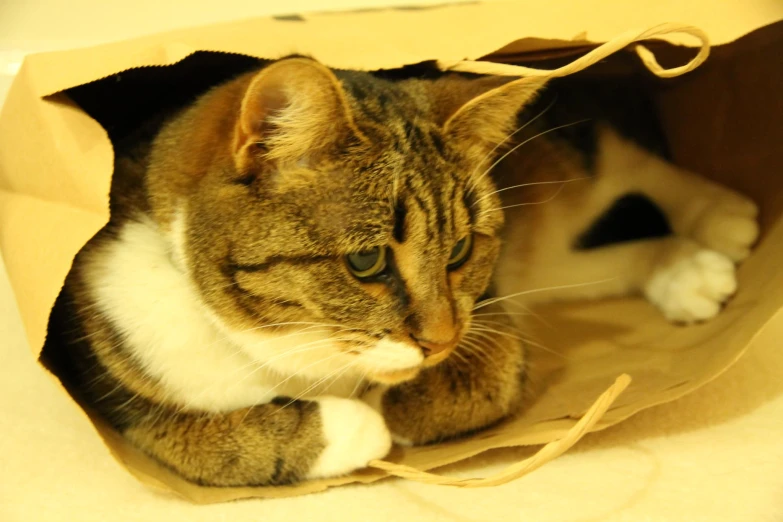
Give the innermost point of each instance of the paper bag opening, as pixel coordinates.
(721, 121)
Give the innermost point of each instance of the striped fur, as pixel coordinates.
(215, 323)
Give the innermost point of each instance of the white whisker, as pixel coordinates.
(339, 372)
(529, 185)
(460, 356)
(309, 346)
(502, 313)
(518, 145)
(482, 304)
(360, 383)
(313, 345)
(477, 348)
(489, 329)
(504, 140)
(547, 200)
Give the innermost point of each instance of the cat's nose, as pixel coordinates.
(432, 347)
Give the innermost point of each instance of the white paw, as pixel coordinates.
(354, 433)
(694, 288)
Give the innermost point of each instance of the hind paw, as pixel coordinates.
(730, 228)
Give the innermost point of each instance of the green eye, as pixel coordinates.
(460, 252)
(368, 263)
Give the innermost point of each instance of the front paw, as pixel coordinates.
(693, 288)
(354, 434)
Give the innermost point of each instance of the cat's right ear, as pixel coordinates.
(292, 111)
(487, 119)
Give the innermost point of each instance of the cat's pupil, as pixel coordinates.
(460, 252)
(367, 263)
(457, 250)
(363, 261)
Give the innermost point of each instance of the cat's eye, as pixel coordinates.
(368, 263)
(460, 252)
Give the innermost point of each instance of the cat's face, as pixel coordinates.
(357, 226)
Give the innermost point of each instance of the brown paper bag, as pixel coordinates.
(722, 120)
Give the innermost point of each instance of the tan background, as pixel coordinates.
(715, 455)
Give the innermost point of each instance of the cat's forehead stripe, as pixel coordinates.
(400, 214)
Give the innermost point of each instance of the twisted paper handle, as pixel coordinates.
(597, 54)
(551, 451)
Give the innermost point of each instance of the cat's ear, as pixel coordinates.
(488, 118)
(292, 110)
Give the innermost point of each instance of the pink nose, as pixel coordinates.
(431, 347)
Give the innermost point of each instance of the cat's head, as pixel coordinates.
(341, 222)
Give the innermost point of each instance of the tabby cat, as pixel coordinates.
(307, 264)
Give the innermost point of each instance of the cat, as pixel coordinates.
(299, 265)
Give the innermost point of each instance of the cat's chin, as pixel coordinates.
(394, 377)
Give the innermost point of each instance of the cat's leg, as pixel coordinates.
(711, 214)
(479, 384)
(686, 281)
(687, 275)
(277, 443)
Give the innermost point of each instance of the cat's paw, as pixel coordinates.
(354, 434)
(729, 227)
(693, 288)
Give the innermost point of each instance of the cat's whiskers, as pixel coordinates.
(460, 356)
(360, 382)
(504, 140)
(301, 370)
(290, 323)
(533, 183)
(518, 145)
(487, 322)
(482, 304)
(323, 359)
(239, 349)
(477, 347)
(527, 310)
(302, 348)
(477, 334)
(334, 375)
(502, 313)
(311, 346)
(306, 346)
(528, 203)
(487, 328)
(228, 337)
(300, 395)
(526, 340)
(467, 342)
(474, 347)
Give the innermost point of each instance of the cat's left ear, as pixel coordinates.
(487, 119)
(292, 110)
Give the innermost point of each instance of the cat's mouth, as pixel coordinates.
(393, 362)
(406, 374)
(388, 361)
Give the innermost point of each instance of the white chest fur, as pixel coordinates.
(137, 284)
